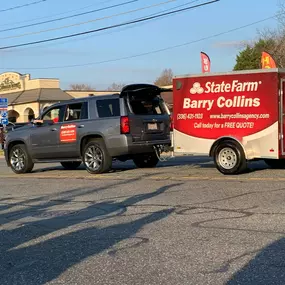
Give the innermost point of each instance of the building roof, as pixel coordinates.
(37, 95)
(54, 95)
(87, 90)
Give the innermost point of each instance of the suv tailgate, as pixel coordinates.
(148, 114)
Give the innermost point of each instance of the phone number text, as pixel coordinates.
(189, 116)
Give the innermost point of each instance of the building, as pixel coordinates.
(27, 97)
(86, 93)
(168, 97)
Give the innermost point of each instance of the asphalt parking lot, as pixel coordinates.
(180, 223)
(174, 168)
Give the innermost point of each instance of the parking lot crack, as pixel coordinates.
(226, 266)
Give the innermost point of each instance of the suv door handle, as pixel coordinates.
(81, 126)
(53, 130)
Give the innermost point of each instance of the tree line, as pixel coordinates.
(164, 79)
(268, 40)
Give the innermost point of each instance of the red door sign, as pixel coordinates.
(68, 133)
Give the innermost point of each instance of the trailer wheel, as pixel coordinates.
(275, 163)
(229, 158)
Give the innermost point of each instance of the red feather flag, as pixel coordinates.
(205, 62)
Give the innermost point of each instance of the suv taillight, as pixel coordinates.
(171, 123)
(125, 125)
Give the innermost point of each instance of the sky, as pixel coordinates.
(197, 27)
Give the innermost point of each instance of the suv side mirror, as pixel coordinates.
(37, 122)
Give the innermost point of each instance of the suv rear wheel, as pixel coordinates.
(146, 160)
(20, 160)
(71, 165)
(96, 157)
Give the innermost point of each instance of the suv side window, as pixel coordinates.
(108, 108)
(53, 115)
(76, 111)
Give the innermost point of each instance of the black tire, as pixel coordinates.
(71, 165)
(19, 153)
(103, 164)
(147, 160)
(229, 158)
(275, 163)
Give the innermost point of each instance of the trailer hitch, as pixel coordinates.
(159, 149)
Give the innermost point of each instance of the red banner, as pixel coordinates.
(206, 62)
(233, 105)
(267, 61)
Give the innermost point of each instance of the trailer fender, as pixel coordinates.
(226, 138)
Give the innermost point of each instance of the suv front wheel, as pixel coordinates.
(20, 160)
(95, 157)
(146, 160)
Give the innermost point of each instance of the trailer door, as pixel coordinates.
(282, 114)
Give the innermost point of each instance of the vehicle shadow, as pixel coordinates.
(267, 267)
(50, 200)
(182, 161)
(36, 253)
(118, 166)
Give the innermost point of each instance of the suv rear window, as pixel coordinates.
(150, 105)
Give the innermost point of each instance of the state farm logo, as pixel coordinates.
(232, 87)
(196, 89)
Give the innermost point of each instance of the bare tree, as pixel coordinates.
(278, 49)
(165, 78)
(116, 87)
(81, 87)
(280, 15)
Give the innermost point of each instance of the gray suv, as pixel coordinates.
(95, 130)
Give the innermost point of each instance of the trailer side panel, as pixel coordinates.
(241, 106)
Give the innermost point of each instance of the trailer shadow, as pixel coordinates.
(267, 267)
(255, 166)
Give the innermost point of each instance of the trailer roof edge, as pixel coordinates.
(252, 71)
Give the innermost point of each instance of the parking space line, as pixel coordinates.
(129, 177)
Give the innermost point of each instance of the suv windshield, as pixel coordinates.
(147, 105)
